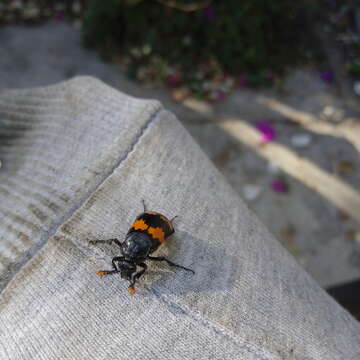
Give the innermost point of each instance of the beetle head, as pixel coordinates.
(126, 270)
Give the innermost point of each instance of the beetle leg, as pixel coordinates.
(109, 272)
(135, 277)
(109, 241)
(106, 272)
(117, 258)
(162, 258)
(141, 272)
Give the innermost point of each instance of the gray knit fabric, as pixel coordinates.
(77, 159)
(57, 144)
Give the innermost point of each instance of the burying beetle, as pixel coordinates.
(146, 234)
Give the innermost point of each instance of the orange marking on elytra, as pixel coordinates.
(157, 233)
(140, 225)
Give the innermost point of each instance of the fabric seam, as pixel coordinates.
(16, 267)
(265, 355)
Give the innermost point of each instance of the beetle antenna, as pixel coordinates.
(143, 201)
(171, 220)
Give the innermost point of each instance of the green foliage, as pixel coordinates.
(240, 35)
(354, 67)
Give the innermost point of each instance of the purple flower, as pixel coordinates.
(267, 131)
(209, 13)
(327, 76)
(279, 186)
(174, 79)
(59, 16)
(243, 80)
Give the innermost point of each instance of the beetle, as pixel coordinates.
(146, 234)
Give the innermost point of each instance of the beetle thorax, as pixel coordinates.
(136, 246)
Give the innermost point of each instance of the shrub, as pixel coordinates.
(234, 36)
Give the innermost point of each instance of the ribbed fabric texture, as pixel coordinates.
(247, 300)
(55, 147)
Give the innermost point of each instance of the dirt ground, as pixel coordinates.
(315, 155)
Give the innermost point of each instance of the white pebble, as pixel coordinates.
(273, 168)
(328, 110)
(301, 140)
(251, 192)
(357, 87)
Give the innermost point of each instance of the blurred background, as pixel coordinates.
(269, 89)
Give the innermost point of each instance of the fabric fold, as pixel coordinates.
(57, 144)
(249, 299)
